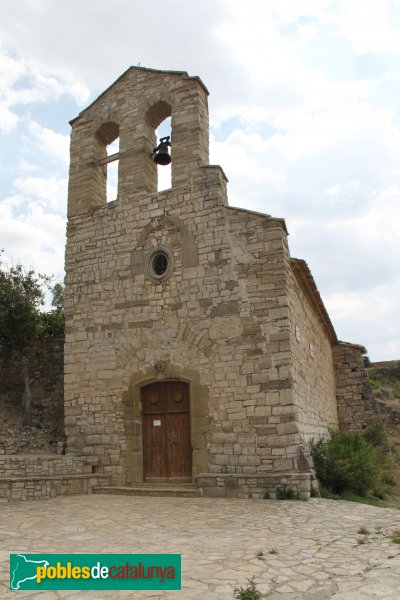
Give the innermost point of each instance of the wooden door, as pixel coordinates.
(167, 451)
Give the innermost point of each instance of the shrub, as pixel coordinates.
(285, 494)
(375, 383)
(346, 461)
(250, 592)
(375, 434)
(388, 479)
(379, 493)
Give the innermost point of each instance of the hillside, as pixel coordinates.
(385, 382)
(18, 438)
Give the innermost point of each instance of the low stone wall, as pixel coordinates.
(27, 477)
(357, 406)
(33, 465)
(256, 485)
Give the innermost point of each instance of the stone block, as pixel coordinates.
(287, 428)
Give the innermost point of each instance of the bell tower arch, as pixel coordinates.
(132, 108)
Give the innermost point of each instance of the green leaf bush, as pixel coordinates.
(346, 462)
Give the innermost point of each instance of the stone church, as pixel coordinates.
(197, 351)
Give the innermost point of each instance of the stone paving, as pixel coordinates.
(296, 550)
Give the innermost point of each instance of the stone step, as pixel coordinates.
(181, 491)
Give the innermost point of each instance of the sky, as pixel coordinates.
(304, 120)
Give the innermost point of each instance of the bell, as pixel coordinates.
(161, 155)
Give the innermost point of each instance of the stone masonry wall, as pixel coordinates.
(215, 315)
(261, 254)
(357, 406)
(218, 321)
(121, 322)
(313, 369)
(27, 477)
(38, 465)
(231, 316)
(137, 103)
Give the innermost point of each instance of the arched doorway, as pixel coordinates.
(167, 450)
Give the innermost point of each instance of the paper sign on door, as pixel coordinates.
(156, 423)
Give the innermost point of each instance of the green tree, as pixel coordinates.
(21, 295)
(58, 298)
(51, 323)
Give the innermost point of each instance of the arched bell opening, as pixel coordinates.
(107, 137)
(163, 132)
(158, 118)
(112, 170)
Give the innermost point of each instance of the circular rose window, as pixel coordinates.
(159, 264)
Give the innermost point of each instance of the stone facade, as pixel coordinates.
(232, 315)
(177, 286)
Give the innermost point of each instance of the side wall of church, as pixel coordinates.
(314, 384)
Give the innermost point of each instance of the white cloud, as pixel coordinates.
(48, 193)
(53, 144)
(33, 237)
(25, 81)
(369, 313)
(26, 167)
(8, 119)
(97, 40)
(370, 26)
(288, 12)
